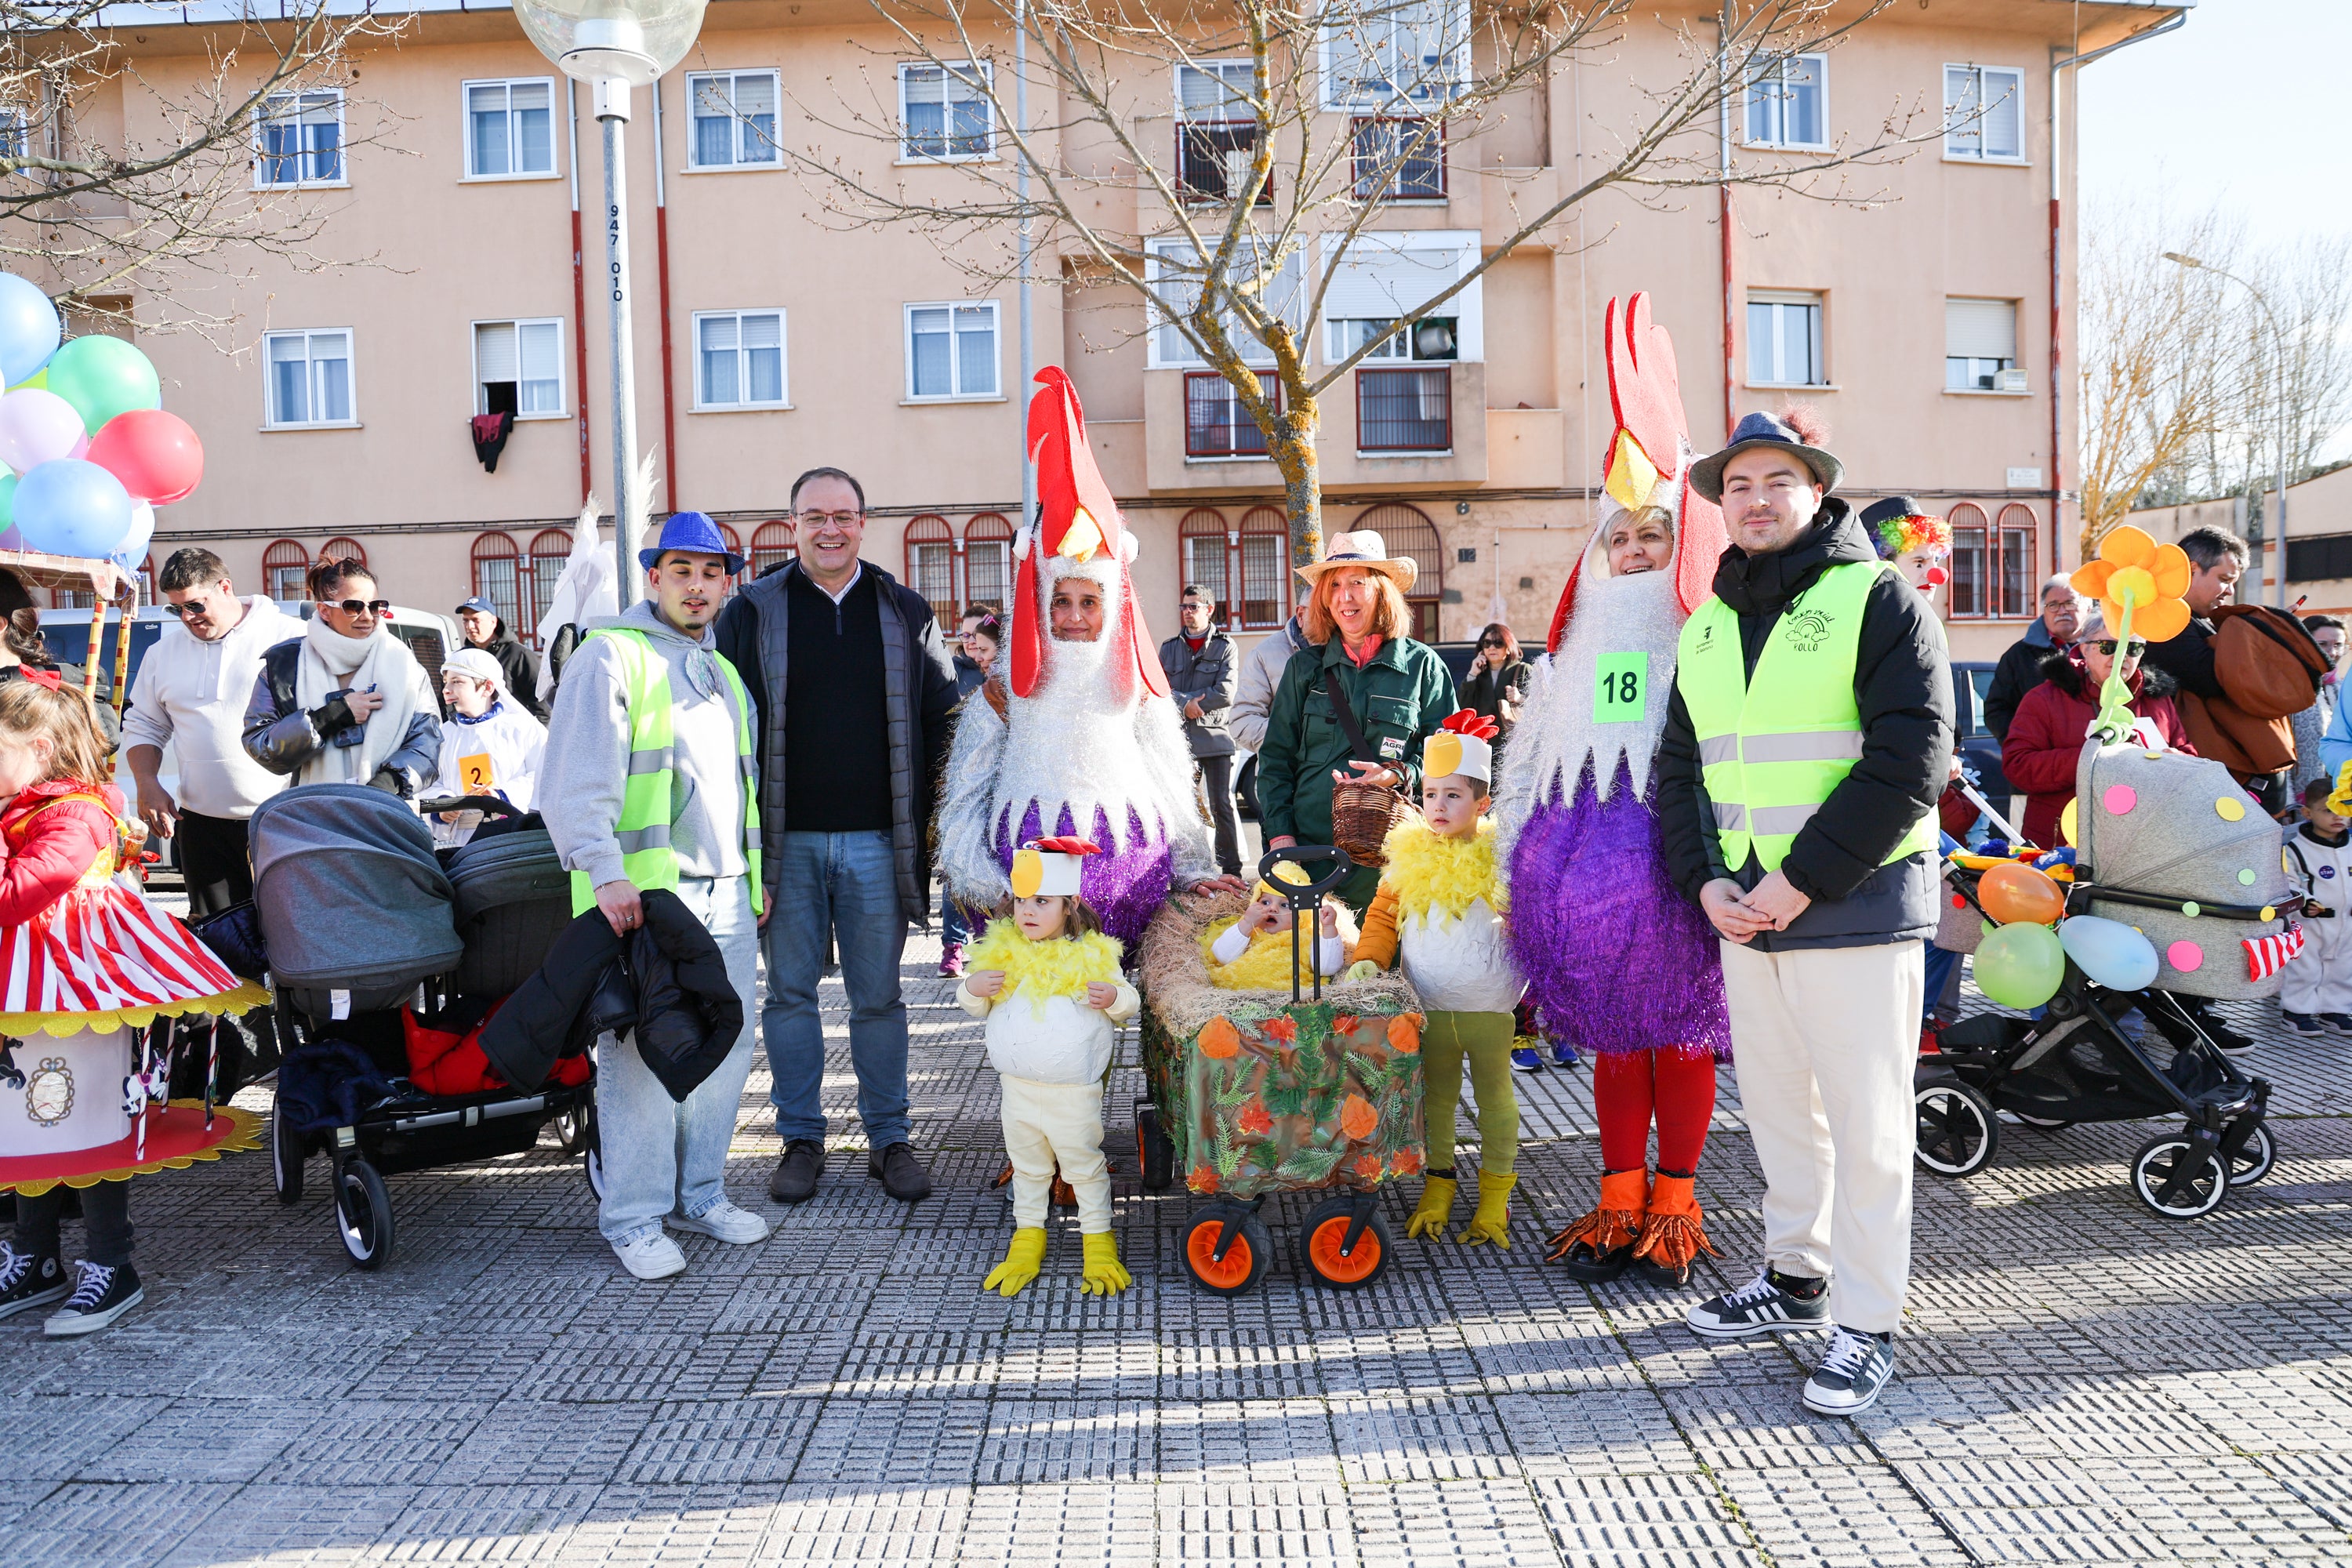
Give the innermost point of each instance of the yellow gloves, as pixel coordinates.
(1021, 1261)
(1437, 1205)
(1364, 968)
(1105, 1275)
(1492, 1219)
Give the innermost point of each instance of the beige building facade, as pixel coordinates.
(455, 168)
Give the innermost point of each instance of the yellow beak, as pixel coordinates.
(1631, 475)
(1082, 538)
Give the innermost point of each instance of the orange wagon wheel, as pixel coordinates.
(1245, 1262)
(1322, 1240)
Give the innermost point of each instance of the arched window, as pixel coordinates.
(551, 551)
(341, 549)
(282, 565)
(1267, 585)
(1407, 531)
(1201, 542)
(988, 562)
(2015, 535)
(1971, 561)
(498, 575)
(771, 546)
(734, 542)
(930, 564)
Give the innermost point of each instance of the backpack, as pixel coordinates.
(2270, 668)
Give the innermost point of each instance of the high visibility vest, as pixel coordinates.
(1772, 748)
(647, 857)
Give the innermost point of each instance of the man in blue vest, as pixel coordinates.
(1807, 739)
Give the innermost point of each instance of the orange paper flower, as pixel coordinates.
(1357, 1117)
(1203, 1179)
(1369, 1167)
(1285, 1030)
(2134, 569)
(1404, 1034)
(1343, 1024)
(1405, 1162)
(1220, 1041)
(1255, 1118)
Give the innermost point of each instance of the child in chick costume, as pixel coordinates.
(1440, 910)
(1253, 951)
(1047, 980)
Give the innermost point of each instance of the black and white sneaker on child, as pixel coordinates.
(1771, 1303)
(100, 1295)
(2303, 1023)
(1850, 1375)
(2339, 1021)
(26, 1282)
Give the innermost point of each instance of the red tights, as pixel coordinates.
(1677, 1087)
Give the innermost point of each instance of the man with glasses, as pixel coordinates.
(2020, 670)
(856, 696)
(1200, 665)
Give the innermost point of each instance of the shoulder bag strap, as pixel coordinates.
(1346, 717)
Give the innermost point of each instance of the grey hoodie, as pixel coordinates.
(587, 760)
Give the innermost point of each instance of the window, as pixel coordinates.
(342, 549)
(771, 546)
(1174, 277)
(498, 575)
(1984, 113)
(510, 128)
(734, 120)
(1392, 53)
(1267, 583)
(1788, 103)
(1404, 410)
(734, 542)
(14, 140)
(931, 564)
(1383, 278)
(1400, 160)
(944, 112)
(1215, 423)
(739, 359)
(282, 565)
(951, 350)
(518, 368)
(301, 139)
(1994, 564)
(1408, 532)
(1200, 541)
(987, 562)
(550, 552)
(1980, 346)
(1784, 340)
(310, 377)
(1216, 131)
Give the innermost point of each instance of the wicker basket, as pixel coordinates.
(1361, 815)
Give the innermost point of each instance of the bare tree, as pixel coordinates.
(1299, 128)
(214, 188)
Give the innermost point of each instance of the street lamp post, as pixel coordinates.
(2279, 594)
(614, 45)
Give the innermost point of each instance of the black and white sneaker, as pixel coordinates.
(1763, 1306)
(2303, 1024)
(26, 1282)
(2339, 1021)
(100, 1295)
(1850, 1375)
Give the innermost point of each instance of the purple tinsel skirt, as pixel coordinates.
(1616, 960)
(1125, 884)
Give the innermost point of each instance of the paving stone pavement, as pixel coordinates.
(2081, 1380)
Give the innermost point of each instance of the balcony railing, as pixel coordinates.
(1214, 159)
(1404, 410)
(1215, 423)
(1400, 160)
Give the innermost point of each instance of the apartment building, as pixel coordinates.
(770, 336)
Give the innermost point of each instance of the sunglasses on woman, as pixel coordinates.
(363, 607)
(2107, 647)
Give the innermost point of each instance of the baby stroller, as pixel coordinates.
(363, 919)
(2168, 844)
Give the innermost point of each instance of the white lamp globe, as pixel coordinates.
(634, 41)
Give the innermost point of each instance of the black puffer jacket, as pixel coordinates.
(1903, 687)
(669, 982)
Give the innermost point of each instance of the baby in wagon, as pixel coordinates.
(1252, 952)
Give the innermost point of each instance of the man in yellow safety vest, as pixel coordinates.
(647, 783)
(1807, 739)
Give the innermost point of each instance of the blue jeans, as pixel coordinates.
(846, 883)
(662, 1156)
(953, 932)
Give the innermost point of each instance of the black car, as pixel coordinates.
(1971, 679)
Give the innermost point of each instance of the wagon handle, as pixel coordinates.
(1308, 898)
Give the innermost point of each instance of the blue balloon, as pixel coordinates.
(132, 549)
(29, 329)
(69, 507)
(2109, 952)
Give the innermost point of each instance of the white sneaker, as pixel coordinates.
(724, 1220)
(1851, 1375)
(652, 1255)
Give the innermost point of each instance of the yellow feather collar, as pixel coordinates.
(1038, 970)
(1429, 870)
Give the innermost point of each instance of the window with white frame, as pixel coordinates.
(1175, 278)
(739, 359)
(1216, 130)
(310, 377)
(951, 351)
(1984, 113)
(1784, 340)
(1392, 54)
(510, 128)
(944, 112)
(300, 138)
(14, 140)
(1788, 102)
(734, 117)
(1382, 279)
(518, 368)
(1980, 346)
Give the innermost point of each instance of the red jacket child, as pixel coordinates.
(2045, 737)
(48, 843)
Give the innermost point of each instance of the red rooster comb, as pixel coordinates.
(1067, 844)
(1471, 723)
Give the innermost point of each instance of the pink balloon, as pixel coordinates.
(37, 427)
(154, 454)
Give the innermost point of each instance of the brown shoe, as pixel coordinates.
(796, 1174)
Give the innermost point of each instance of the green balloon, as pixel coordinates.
(102, 377)
(7, 501)
(2021, 966)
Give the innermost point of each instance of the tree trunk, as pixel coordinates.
(1291, 445)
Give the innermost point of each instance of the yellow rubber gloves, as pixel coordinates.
(1492, 1219)
(1105, 1275)
(1436, 1206)
(1022, 1260)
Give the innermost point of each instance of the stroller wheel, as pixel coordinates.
(1957, 1132)
(1326, 1232)
(2042, 1123)
(1153, 1151)
(2254, 1157)
(592, 1152)
(1245, 1262)
(571, 1128)
(285, 1156)
(2177, 1179)
(364, 1215)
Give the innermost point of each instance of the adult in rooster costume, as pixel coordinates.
(1614, 957)
(1077, 735)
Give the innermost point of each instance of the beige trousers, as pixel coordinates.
(1050, 1122)
(1824, 1041)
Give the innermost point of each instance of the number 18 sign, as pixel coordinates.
(1622, 688)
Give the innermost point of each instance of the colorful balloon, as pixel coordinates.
(2012, 892)
(29, 329)
(72, 508)
(40, 378)
(2110, 952)
(37, 427)
(102, 377)
(7, 511)
(2021, 966)
(133, 548)
(153, 453)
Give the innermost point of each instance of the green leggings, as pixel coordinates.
(1485, 1039)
